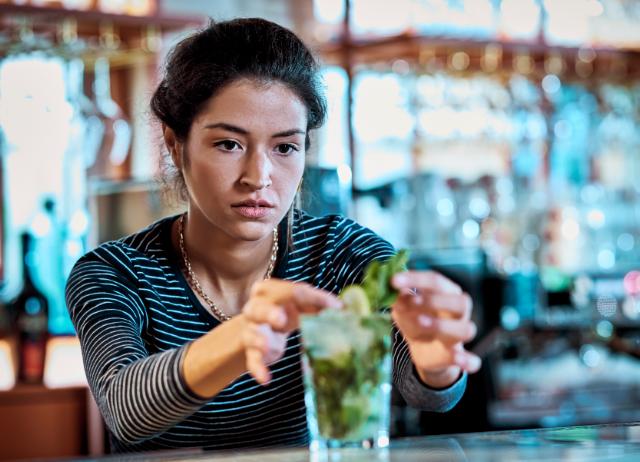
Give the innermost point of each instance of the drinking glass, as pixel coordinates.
(347, 376)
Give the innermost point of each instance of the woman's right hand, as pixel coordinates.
(271, 313)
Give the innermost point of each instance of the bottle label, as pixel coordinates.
(33, 324)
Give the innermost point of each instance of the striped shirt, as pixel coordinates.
(135, 313)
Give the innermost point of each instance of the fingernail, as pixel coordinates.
(473, 330)
(468, 362)
(425, 321)
(399, 279)
(474, 363)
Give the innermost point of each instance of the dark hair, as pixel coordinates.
(202, 64)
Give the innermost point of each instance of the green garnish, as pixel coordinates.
(355, 300)
(376, 289)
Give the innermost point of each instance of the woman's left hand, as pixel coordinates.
(434, 316)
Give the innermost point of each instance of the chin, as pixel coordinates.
(254, 231)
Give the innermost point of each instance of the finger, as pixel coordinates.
(312, 300)
(273, 343)
(425, 281)
(257, 367)
(407, 322)
(280, 291)
(467, 361)
(436, 304)
(263, 346)
(449, 331)
(259, 310)
(408, 291)
(272, 289)
(275, 346)
(253, 339)
(408, 301)
(264, 339)
(454, 305)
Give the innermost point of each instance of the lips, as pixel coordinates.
(253, 209)
(253, 203)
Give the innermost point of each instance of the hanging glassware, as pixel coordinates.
(519, 19)
(78, 4)
(116, 140)
(140, 7)
(112, 6)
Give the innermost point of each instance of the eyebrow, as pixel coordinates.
(242, 131)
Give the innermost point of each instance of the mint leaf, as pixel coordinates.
(377, 279)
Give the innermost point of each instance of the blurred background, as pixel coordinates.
(498, 140)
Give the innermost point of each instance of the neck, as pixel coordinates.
(225, 267)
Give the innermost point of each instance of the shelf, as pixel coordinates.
(36, 393)
(90, 21)
(539, 45)
(412, 46)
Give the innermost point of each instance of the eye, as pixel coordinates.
(286, 149)
(227, 145)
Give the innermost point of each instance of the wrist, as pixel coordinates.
(439, 379)
(214, 360)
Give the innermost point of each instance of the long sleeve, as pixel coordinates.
(416, 393)
(358, 246)
(139, 394)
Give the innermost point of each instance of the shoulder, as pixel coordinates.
(123, 254)
(329, 226)
(343, 238)
(305, 223)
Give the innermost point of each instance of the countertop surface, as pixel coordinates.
(615, 442)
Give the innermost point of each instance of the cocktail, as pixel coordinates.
(347, 362)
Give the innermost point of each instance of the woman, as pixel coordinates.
(188, 328)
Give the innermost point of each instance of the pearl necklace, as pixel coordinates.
(195, 283)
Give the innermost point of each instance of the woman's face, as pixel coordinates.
(244, 157)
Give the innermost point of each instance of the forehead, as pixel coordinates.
(255, 106)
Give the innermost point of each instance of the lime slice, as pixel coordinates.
(355, 300)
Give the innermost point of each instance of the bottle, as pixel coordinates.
(49, 276)
(31, 309)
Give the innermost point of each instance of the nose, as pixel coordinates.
(257, 170)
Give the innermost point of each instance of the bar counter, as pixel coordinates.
(613, 442)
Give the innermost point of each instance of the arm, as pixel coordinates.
(355, 248)
(140, 395)
(434, 316)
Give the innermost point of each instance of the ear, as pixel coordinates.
(173, 145)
